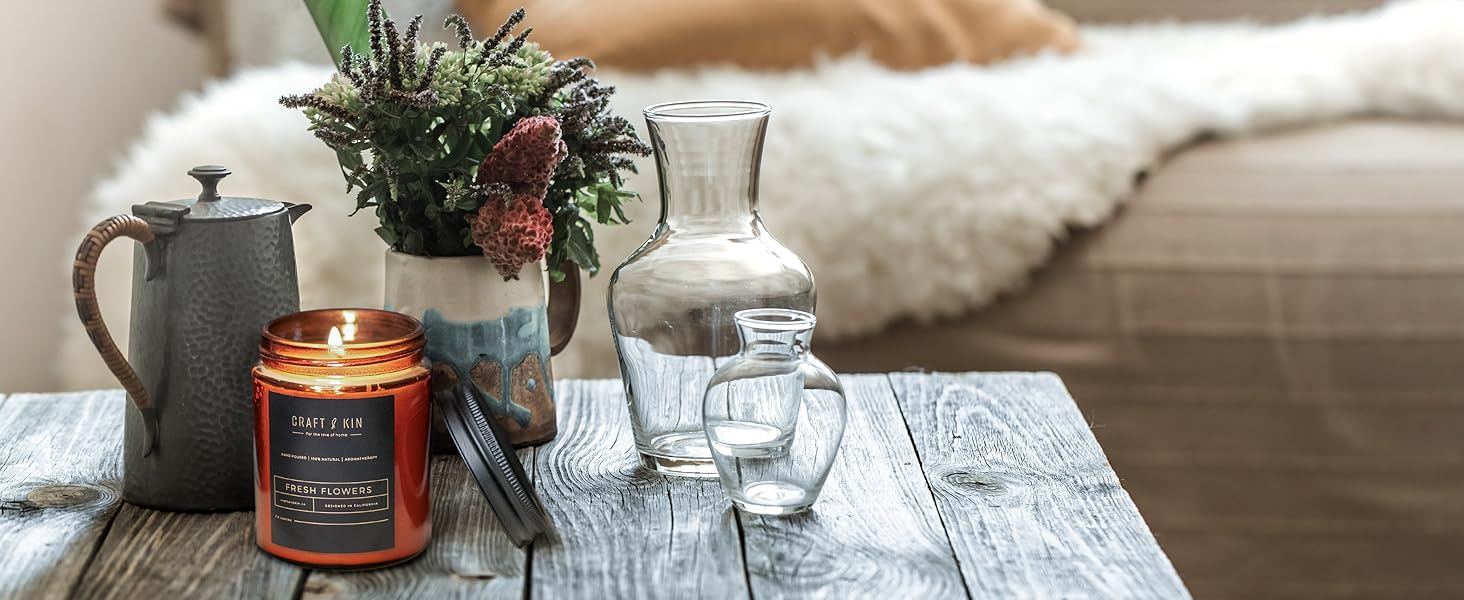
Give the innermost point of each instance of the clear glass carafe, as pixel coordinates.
(672, 301)
(774, 415)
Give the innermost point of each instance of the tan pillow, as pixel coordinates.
(778, 34)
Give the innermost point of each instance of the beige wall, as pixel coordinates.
(80, 77)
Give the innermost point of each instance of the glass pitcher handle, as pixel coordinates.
(83, 282)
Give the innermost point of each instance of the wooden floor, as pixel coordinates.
(947, 486)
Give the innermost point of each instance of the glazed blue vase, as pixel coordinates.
(496, 332)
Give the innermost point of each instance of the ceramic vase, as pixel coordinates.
(496, 331)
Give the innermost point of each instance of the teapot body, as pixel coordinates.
(208, 273)
(200, 297)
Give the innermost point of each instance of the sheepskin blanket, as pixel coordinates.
(911, 195)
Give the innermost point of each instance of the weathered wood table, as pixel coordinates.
(984, 485)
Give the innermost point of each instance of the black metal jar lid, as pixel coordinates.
(488, 455)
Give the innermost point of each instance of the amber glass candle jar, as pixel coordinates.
(341, 422)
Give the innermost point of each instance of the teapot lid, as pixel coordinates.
(210, 206)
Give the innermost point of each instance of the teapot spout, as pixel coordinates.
(296, 210)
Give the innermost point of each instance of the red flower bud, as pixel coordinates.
(526, 156)
(513, 233)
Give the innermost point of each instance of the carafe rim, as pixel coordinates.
(706, 110)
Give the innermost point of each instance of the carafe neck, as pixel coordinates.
(707, 157)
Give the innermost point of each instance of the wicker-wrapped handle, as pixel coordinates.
(84, 286)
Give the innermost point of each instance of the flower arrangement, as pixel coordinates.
(493, 147)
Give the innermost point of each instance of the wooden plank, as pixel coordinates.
(874, 531)
(157, 554)
(470, 555)
(1027, 497)
(626, 532)
(60, 486)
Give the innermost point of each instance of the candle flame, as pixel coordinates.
(337, 346)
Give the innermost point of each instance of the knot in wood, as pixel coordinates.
(475, 576)
(65, 495)
(989, 484)
(1100, 487)
(322, 588)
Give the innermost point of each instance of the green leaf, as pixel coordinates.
(579, 247)
(350, 162)
(586, 199)
(458, 153)
(387, 235)
(470, 203)
(413, 243)
(619, 205)
(604, 202)
(341, 23)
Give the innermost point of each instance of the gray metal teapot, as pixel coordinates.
(211, 273)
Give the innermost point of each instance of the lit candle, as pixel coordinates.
(337, 345)
(341, 422)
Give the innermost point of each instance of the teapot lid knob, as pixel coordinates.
(209, 176)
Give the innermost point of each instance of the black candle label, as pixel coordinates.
(330, 464)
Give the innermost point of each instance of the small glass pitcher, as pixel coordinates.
(774, 415)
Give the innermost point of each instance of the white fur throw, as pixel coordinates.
(910, 195)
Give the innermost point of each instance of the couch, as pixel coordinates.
(1267, 341)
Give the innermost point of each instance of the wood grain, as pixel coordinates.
(626, 532)
(947, 485)
(470, 555)
(873, 532)
(1027, 497)
(157, 554)
(60, 486)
